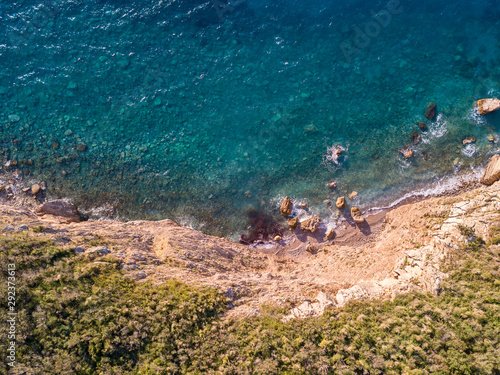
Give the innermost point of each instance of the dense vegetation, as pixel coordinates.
(79, 316)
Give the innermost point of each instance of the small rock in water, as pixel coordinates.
(430, 112)
(327, 202)
(425, 156)
(43, 185)
(456, 161)
(357, 215)
(415, 137)
(293, 222)
(332, 184)
(491, 138)
(340, 203)
(468, 140)
(353, 195)
(277, 238)
(35, 188)
(422, 126)
(330, 233)
(311, 224)
(68, 132)
(14, 118)
(286, 207)
(406, 151)
(303, 206)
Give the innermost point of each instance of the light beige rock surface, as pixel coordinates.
(492, 172)
(485, 106)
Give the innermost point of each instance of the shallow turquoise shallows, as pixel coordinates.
(210, 112)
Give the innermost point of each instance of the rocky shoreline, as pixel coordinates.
(393, 252)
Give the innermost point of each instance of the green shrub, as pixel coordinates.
(79, 317)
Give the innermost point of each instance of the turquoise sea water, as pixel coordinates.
(210, 112)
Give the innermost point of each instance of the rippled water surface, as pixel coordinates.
(210, 112)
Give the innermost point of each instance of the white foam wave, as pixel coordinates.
(469, 150)
(335, 154)
(439, 127)
(476, 117)
(441, 186)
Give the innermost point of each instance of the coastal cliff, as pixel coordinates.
(394, 252)
(412, 290)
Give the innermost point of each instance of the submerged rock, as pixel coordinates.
(430, 111)
(286, 207)
(485, 106)
(353, 195)
(14, 118)
(332, 184)
(422, 126)
(81, 147)
(357, 215)
(67, 212)
(340, 203)
(311, 224)
(468, 140)
(492, 172)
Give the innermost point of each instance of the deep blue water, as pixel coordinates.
(205, 112)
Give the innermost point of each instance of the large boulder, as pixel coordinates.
(485, 106)
(311, 224)
(492, 172)
(357, 215)
(286, 207)
(65, 212)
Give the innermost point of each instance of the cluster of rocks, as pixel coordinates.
(312, 224)
(430, 114)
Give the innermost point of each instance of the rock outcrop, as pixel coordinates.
(64, 211)
(485, 106)
(286, 207)
(310, 224)
(492, 172)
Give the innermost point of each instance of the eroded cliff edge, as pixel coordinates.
(402, 252)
